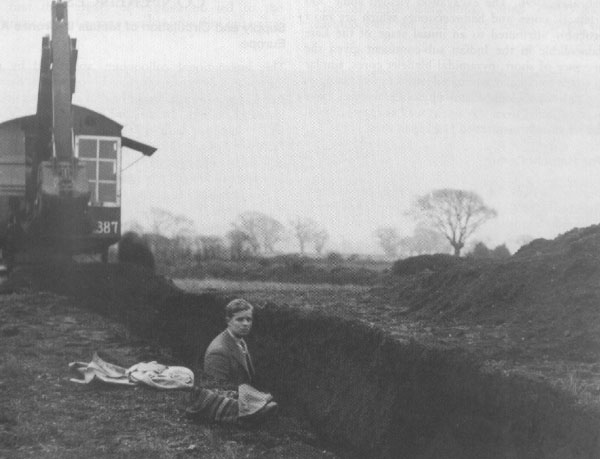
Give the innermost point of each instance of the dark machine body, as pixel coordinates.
(60, 169)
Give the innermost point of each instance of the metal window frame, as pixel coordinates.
(116, 162)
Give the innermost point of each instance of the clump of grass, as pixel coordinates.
(584, 391)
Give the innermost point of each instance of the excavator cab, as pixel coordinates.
(60, 169)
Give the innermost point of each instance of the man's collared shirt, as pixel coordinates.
(239, 341)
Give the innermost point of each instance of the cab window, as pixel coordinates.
(101, 157)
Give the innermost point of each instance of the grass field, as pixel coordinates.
(250, 286)
(353, 301)
(308, 296)
(44, 415)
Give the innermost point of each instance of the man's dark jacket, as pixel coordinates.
(225, 361)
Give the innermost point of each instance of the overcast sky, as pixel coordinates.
(342, 111)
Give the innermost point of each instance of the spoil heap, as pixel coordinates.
(545, 299)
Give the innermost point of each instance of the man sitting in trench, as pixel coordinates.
(228, 368)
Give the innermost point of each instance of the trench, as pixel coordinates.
(365, 394)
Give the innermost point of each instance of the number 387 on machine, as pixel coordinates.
(107, 227)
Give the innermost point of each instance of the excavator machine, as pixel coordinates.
(60, 169)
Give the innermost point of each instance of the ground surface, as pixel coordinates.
(43, 414)
(536, 314)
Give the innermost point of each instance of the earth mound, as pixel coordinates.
(548, 293)
(421, 263)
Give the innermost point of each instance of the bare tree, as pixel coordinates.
(172, 237)
(304, 229)
(388, 240)
(424, 240)
(239, 244)
(319, 240)
(211, 247)
(456, 214)
(171, 225)
(263, 232)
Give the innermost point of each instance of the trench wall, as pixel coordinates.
(367, 394)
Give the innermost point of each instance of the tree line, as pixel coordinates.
(173, 238)
(445, 220)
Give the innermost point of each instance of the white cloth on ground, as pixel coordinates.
(251, 400)
(150, 373)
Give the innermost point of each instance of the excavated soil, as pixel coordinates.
(540, 306)
(449, 358)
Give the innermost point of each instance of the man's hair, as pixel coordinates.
(235, 306)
